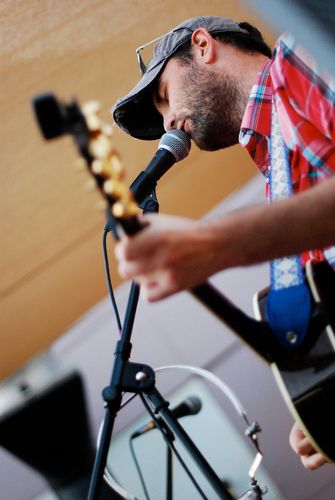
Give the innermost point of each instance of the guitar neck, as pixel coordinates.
(257, 334)
(57, 118)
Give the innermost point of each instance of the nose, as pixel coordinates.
(169, 119)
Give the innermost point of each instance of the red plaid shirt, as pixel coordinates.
(305, 101)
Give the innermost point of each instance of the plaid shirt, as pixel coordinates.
(305, 102)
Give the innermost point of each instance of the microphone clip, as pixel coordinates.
(255, 492)
(150, 204)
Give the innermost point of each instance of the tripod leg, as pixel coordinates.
(169, 474)
(161, 406)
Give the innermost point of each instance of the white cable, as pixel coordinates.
(228, 392)
(116, 487)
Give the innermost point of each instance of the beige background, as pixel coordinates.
(51, 264)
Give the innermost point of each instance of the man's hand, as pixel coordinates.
(173, 254)
(170, 254)
(310, 458)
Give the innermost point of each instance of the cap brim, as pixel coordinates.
(136, 113)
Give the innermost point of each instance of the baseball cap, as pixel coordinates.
(136, 113)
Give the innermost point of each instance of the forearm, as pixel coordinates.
(173, 254)
(305, 221)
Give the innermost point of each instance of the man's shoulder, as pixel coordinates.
(287, 48)
(291, 58)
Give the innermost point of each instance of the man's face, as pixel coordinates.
(208, 106)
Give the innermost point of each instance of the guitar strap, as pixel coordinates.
(289, 303)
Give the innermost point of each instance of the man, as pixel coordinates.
(215, 79)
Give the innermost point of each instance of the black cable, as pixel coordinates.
(171, 445)
(107, 229)
(138, 468)
(108, 278)
(132, 449)
(128, 401)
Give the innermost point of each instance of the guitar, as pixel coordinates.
(306, 378)
(305, 374)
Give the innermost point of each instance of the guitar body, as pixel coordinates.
(306, 379)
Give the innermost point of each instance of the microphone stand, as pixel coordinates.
(138, 377)
(56, 118)
(169, 473)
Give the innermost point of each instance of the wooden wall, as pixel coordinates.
(51, 264)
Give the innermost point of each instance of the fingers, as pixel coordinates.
(136, 256)
(133, 252)
(127, 268)
(314, 461)
(299, 442)
(164, 257)
(140, 260)
(155, 285)
(130, 247)
(310, 458)
(153, 289)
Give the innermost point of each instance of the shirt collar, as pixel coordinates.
(257, 115)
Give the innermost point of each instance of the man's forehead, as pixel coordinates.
(169, 72)
(162, 78)
(171, 69)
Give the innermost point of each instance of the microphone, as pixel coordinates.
(191, 406)
(174, 146)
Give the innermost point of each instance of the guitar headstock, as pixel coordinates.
(93, 139)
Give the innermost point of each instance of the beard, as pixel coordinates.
(215, 108)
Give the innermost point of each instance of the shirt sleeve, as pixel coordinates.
(309, 90)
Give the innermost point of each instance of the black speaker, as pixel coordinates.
(50, 431)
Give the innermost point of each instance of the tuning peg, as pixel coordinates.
(125, 209)
(100, 147)
(115, 189)
(98, 167)
(107, 129)
(93, 123)
(90, 111)
(117, 166)
(108, 169)
(102, 168)
(91, 107)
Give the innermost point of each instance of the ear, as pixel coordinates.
(204, 46)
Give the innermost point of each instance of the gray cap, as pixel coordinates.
(136, 113)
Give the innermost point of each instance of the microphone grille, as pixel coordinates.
(177, 142)
(194, 404)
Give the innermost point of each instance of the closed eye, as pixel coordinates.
(160, 96)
